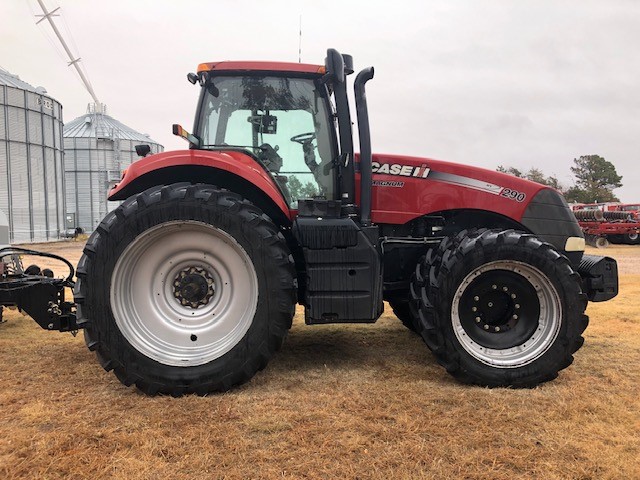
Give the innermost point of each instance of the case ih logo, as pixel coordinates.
(425, 172)
(401, 170)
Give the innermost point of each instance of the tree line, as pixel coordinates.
(595, 179)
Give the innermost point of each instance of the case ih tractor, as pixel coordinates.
(191, 284)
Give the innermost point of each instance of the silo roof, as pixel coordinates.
(91, 125)
(12, 80)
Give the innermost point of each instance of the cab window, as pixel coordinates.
(284, 122)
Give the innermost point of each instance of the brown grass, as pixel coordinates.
(337, 402)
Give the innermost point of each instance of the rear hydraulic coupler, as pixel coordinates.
(35, 291)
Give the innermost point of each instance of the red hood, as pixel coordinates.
(408, 187)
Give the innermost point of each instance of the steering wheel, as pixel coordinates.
(303, 138)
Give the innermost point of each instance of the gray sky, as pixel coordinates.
(518, 83)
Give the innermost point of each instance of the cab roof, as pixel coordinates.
(256, 66)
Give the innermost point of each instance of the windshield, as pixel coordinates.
(283, 121)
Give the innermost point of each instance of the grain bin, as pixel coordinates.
(97, 148)
(31, 161)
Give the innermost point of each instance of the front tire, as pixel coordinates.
(501, 308)
(402, 310)
(185, 289)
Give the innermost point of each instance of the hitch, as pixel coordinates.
(36, 292)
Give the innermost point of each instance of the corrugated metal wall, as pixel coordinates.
(31, 165)
(93, 165)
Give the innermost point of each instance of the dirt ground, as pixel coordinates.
(350, 401)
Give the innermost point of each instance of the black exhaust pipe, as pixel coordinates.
(365, 145)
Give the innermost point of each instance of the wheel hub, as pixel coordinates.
(496, 311)
(193, 287)
(499, 309)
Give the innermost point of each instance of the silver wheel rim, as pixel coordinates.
(538, 343)
(150, 311)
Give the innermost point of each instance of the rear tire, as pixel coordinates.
(476, 328)
(185, 289)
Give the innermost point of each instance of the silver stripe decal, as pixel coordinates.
(465, 182)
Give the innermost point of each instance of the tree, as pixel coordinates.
(299, 190)
(534, 174)
(595, 180)
(510, 170)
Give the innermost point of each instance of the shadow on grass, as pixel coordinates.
(308, 348)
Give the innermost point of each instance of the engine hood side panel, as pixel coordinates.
(405, 188)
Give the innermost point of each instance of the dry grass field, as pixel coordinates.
(337, 402)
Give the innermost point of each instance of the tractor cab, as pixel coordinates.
(293, 119)
(284, 123)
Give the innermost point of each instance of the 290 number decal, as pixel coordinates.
(513, 194)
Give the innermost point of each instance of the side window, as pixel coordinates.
(239, 129)
(300, 180)
(283, 121)
(297, 169)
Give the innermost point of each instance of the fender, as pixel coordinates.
(161, 168)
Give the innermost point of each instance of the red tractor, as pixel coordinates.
(191, 284)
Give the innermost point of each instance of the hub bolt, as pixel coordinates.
(505, 289)
(497, 329)
(495, 287)
(486, 327)
(478, 319)
(474, 309)
(513, 295)
(515, 317)
(517, 305)
(476, 298)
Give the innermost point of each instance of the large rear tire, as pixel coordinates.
(185, 289)
(501, 308)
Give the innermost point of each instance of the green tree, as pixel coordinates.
(596, 178)
(299, 190)
(536, 175)
(510, 170)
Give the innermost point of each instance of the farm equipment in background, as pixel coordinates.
(190, 285)
(602, 224)
(633, 210)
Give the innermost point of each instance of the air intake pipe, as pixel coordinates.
(365, 144)
(335, 66)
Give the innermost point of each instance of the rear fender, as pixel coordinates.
(233, 170)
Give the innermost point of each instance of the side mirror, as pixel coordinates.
(193, 78)
(334, 63)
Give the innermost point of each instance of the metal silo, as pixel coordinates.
(97, 148)
(31, 161)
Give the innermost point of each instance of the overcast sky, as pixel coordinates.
(518, 83)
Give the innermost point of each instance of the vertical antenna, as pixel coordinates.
(300, 41)
(72, 61)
